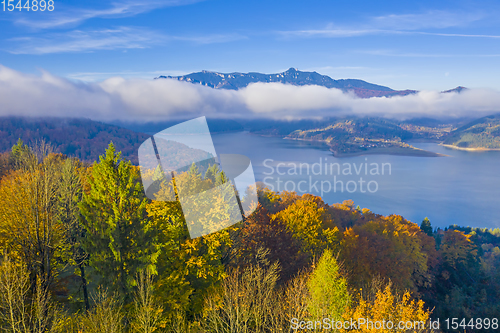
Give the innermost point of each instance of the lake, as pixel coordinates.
(462, 188)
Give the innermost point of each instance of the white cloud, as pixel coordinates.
(347, 32)
(150, 100)
(433, 19)
(333, 32)
(211, 39)
(398, 24)
(393, 53)
(456, 35)
(74, 16)
(85, 41)
(100, 76)
(121, 38)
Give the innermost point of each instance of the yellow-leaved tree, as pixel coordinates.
(188, 267)
(382, 310)
(307, 220)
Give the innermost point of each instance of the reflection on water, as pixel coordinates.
(462, 189)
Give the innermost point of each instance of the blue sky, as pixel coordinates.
(423, 45)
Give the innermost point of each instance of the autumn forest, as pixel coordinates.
(82, 249)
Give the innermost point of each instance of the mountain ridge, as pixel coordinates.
(237, 80)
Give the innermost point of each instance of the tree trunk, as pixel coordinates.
(84, 285)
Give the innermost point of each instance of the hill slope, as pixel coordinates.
(82, 138)
(483, 133)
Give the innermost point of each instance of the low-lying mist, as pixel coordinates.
(140, 100)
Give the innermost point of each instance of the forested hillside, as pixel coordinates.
(83, 250)
(82, 138)
(480, 133)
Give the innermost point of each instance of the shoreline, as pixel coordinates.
(397, 151)
(400, 151)
(423, 141)
(480, 149)
(307, 140)
(415, 152)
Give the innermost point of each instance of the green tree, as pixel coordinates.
(328, 289)
(186, 267)
(18, 152)
(119, 237)
(426, 227)
(211, 173)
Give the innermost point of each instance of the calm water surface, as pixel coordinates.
(463, 188)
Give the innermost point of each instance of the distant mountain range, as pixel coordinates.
(292, 76)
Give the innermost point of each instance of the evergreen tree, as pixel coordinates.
(19, 148)
(19, 153)
(328, 289)
(221, 178)
(426, 227)
(118, 235)
(212, 172)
